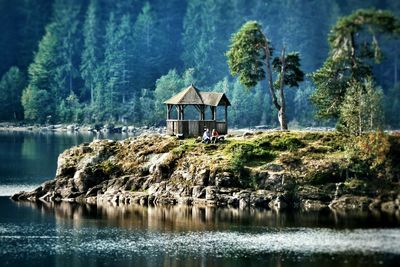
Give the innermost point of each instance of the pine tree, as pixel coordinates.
(11, 86)
(207, 27)
(91, 55)
(353, 51)
(33, 18)
(125, 57)
(148, 55)
(67, 16)
(249, 58)
(41, 80)
(106, 89)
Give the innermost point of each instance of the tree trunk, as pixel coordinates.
(269, 76)
(395, 66)
(282, 107)
(91, 95)
(282, 120)
(282, 110)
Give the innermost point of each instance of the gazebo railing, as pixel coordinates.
(194, 127)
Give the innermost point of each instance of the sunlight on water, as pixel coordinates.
(123, 242)
(10, 189)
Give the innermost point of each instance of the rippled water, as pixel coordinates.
(38, 234)
(45, 234)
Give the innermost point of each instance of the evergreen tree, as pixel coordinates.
(38, 105)
(392, 106)
(33, 18)
(11, 86)
(352, 54)
(361, 110)
(250, 51)
(106, 89)
(167, 86)
(91, 55)
(125, 57)
(67, 19)
(147, 49)
(8, 36)
(207, 27)
(41, 80)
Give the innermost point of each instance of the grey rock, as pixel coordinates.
(349, 202)
(310, 204)
(273, 167)
(211, 192)
(198, 192)
(278, 203)
(226, 179)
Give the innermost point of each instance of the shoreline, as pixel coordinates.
(302, 170)
(83, 129)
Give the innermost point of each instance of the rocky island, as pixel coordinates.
(272, 170)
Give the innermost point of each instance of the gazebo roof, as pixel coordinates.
(192, 96)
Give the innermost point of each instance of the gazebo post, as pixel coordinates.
(226, 113)
(202, 115)
(169, 108)
(178, 110)
(213, 113)
(183, 112)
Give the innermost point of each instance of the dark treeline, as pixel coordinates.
(93, 61)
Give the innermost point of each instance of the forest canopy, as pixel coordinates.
(88, 61)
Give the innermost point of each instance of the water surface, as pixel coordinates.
(40, 234)
(29, 158)
(64, 234)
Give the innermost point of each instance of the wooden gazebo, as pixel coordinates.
(191, 96)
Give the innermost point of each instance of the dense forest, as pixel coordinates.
(88, 61)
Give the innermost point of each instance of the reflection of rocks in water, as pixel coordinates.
(183, 217)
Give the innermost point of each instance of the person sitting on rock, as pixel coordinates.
(214, 136)
(206, 136)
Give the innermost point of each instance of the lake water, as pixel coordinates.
(44, 234)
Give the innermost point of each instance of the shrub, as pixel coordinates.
(369, 154)
(287, 143)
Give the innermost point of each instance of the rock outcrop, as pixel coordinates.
(161, 170)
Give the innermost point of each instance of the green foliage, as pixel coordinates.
(369, 154)
(207, 26)
(38, 105)
(250, 113)
(41, 70)
(333, 174)
(355, 184)
(247, 154)
(287, 143)
(167, 86)
(361, 109)
(293, 73)
(246, 55)
(342, 36)
(91, 49)
(148, 57)
(392, 106)
(71, 47)
(249, 58)
(11, 86)
(353, 45)
(70, 109)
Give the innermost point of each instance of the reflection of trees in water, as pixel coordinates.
(181, 218)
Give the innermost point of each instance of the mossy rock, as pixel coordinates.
(329, 174)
